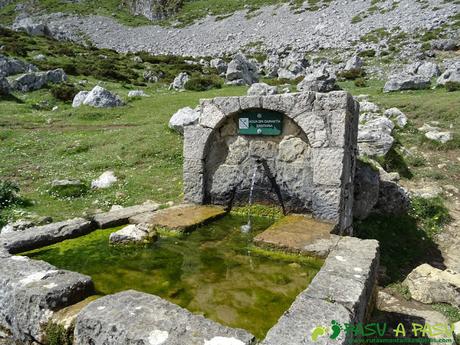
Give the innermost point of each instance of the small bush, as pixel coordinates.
(64, 92)
(431, 214)
(351, 74)
(452, 86)
(367, 53)
(57, 335)
(68, 191)
(360, 82)
(203, 83)
(8, 194)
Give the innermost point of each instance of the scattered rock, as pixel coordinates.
(355, 63)
(406, 82)
(440, 137)
(320, 80)
(292, 66)
(220, 65)
(137, 93)
(427, 191)
(150, 76)
(428, 128)
(33, 29)
(101, 98)
(397, 116)
(444, 44)
(374, 137)
(39, 57)
(450, 75)
(183, 117)
(107, 179)
(10, 66)
(262, 89)
(179, 82)
(139, 233)
(428, 284)
(79, 99)
(36, 80)
(240, 71)
(68, 188)
(121, 216)
(366, 193)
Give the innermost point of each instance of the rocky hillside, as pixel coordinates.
(399, 29)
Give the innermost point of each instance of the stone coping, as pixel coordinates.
(32, 292)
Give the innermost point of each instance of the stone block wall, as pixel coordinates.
(308, 168)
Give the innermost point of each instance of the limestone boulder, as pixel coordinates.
(445, 44)
(450, 75)
(404, 81)
(271, 65)
(374, 137)
(292, 66)
(99, 97)
(366, 191)
(428, 284)
(355, 63)
(32, 28)
(241, 71)
(150, 320)
(179, 82)
(397, 116)
(426, 69)
(319, 80)
(106, 180)
(10, 66)
(262, 89)
(393, 199)
(183, 117)
(79, 99)
(220, 65)
(36, 80)
(440, 137)
(137, 93)
(132, 234)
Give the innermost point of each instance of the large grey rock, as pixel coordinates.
(36, 80)
(10, 66)
(241, 71)
(262, 89)
(179, 82)
(19, 225)
(79, 99)
(402, 82)
(5, 87)
(445, 44)
(32, 28)
(428, 284)
(393, 199)
(183, 117)
(44, 235)
(367, 184)
(271, 65)
(374, 137)
(397, 116)
(121, 217)
(132, 317)
(441, 137)
(101, 98)
(425, 69)
(319, 80)
(450, 75)
(31, 291)
(139, 233)
(292, 66)
(220, 65)
(105, 180)
(355, 63)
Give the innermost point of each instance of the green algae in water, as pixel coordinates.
(211, 271)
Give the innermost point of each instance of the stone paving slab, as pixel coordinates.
(132, 317)
(183, 218)
(121, 217)
(294, 233)
(40, 236)
(141, 218)
(31, 291)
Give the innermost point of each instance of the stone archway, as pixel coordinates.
(323, 128)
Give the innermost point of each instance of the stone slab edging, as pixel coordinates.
(340, 291)
(132, 317)
(31, 291)
(121, 217)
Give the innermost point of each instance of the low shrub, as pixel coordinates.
(351, 74)
(360, 82)
(452, 86)
(57, 335)
(203, 83)
(9, 194)
(64, 92)
(367, 53)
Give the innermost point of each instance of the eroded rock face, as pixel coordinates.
(428, 284)
(154, 9)
(367, 184)
(374, 137)
(135, 317)
(183, 117)
(241, 71)
(31, 291)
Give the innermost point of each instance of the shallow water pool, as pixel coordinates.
(214, 271)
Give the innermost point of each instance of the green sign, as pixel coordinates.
(260, 122)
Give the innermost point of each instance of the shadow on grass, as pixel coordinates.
(11, 98)
(403, 244)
